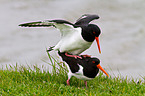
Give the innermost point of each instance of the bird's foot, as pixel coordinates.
(86, 56)
(86, 84)
(50, 49)
(75, 56)
(68, 82)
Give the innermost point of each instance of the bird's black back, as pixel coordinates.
(89, 69)
(71, 61)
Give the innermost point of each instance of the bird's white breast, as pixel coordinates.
(73, 42)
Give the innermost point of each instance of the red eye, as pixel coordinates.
(94, 32)
(93, 61)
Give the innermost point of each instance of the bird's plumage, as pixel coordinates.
(75, 38)
(84, 68)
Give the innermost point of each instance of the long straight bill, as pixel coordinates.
(97, 40)
(99, 66)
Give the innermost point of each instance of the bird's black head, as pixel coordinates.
(90, 32)
(94, 29)
(96, 62)
(85, 19)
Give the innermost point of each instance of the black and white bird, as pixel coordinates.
(85, 69)
(75, 38)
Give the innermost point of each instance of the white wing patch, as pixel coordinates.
(83, 17)
(65, 29)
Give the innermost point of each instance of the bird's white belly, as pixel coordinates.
(82, 77)
(73, 43)
(80, 74)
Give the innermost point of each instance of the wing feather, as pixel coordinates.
(37, 24)
(64, 26)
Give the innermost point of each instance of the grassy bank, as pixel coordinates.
(26, 82)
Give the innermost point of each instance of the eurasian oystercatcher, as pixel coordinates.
(75, 38)
(85, 69)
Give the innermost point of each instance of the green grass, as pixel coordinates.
(24, 81)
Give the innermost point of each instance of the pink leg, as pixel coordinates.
(76, 56)
(85, 83)
(67, 82)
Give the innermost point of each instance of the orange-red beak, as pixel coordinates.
(97, 40)
(99, 66)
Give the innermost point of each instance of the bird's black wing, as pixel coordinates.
(85, 19)
(37, 24)
(45, 23)
(64, 26)
(71, 61)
